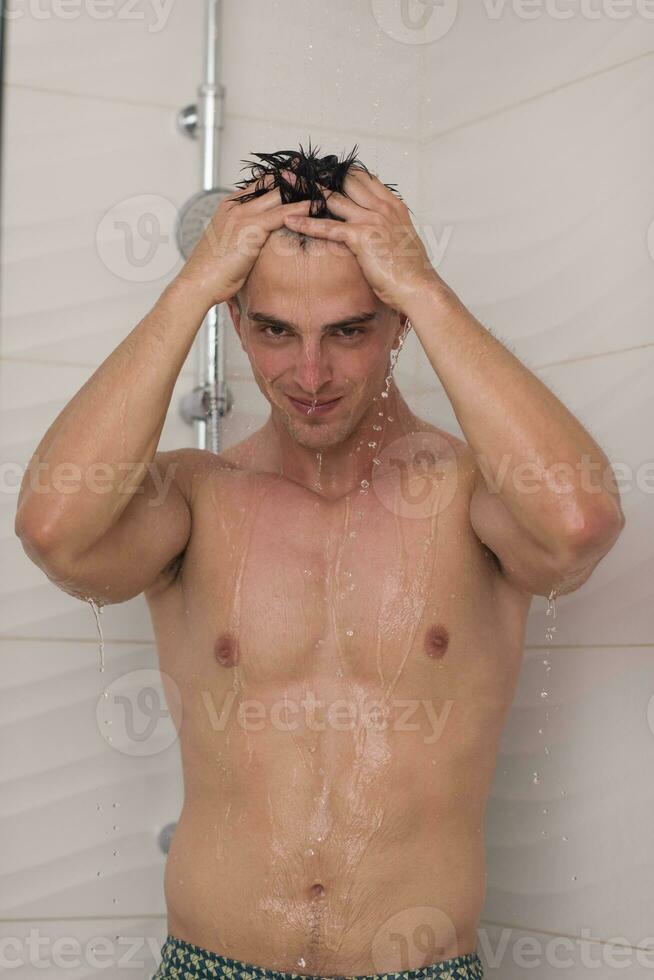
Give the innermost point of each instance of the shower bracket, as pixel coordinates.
(196, 405)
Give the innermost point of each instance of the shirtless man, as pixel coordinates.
(339, 601)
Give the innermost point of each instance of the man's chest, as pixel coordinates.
(285, 586)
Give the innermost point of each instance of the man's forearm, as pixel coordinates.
(94, 456)
(521, 434)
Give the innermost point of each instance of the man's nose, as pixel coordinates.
(312, 369)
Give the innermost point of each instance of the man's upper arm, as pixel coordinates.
(523, 562)
(152, 530)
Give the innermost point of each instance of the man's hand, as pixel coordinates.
(377, 228)
(223, 258)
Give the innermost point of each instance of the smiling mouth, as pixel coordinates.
(311, 408)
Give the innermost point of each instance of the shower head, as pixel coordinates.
(195, 215)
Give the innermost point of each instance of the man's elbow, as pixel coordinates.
(585, 548)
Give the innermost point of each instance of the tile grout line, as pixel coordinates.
(438, 134)
(389, 136)
(358, 133)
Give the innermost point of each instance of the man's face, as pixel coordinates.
(308, 356)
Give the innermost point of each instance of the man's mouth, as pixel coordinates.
(311, 408)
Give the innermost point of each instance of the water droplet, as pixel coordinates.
(544, 694)
(350, 632)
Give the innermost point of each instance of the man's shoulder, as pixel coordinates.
(458, 447)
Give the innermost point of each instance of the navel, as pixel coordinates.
(226, 650)
(436, 641)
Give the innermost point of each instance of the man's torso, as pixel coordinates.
(345, 668)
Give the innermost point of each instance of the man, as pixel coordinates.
(339, 601)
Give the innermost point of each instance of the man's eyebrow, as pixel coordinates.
(268, 318)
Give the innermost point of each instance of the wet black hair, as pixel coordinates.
(311, 170)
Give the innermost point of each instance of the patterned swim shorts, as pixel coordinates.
(185, 961)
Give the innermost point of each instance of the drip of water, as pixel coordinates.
(551, 611)
(395, 353)
(97, 612)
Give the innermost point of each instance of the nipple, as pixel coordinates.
(226, 650)
(436, 641)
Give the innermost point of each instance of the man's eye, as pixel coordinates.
(348, 333)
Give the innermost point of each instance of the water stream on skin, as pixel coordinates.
(372, 752)
(97, 612)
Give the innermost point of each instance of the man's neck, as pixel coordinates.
(333, 471)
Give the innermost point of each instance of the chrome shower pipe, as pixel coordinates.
(211, 344)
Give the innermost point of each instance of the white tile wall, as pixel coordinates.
(523, 144)
(84, 947)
